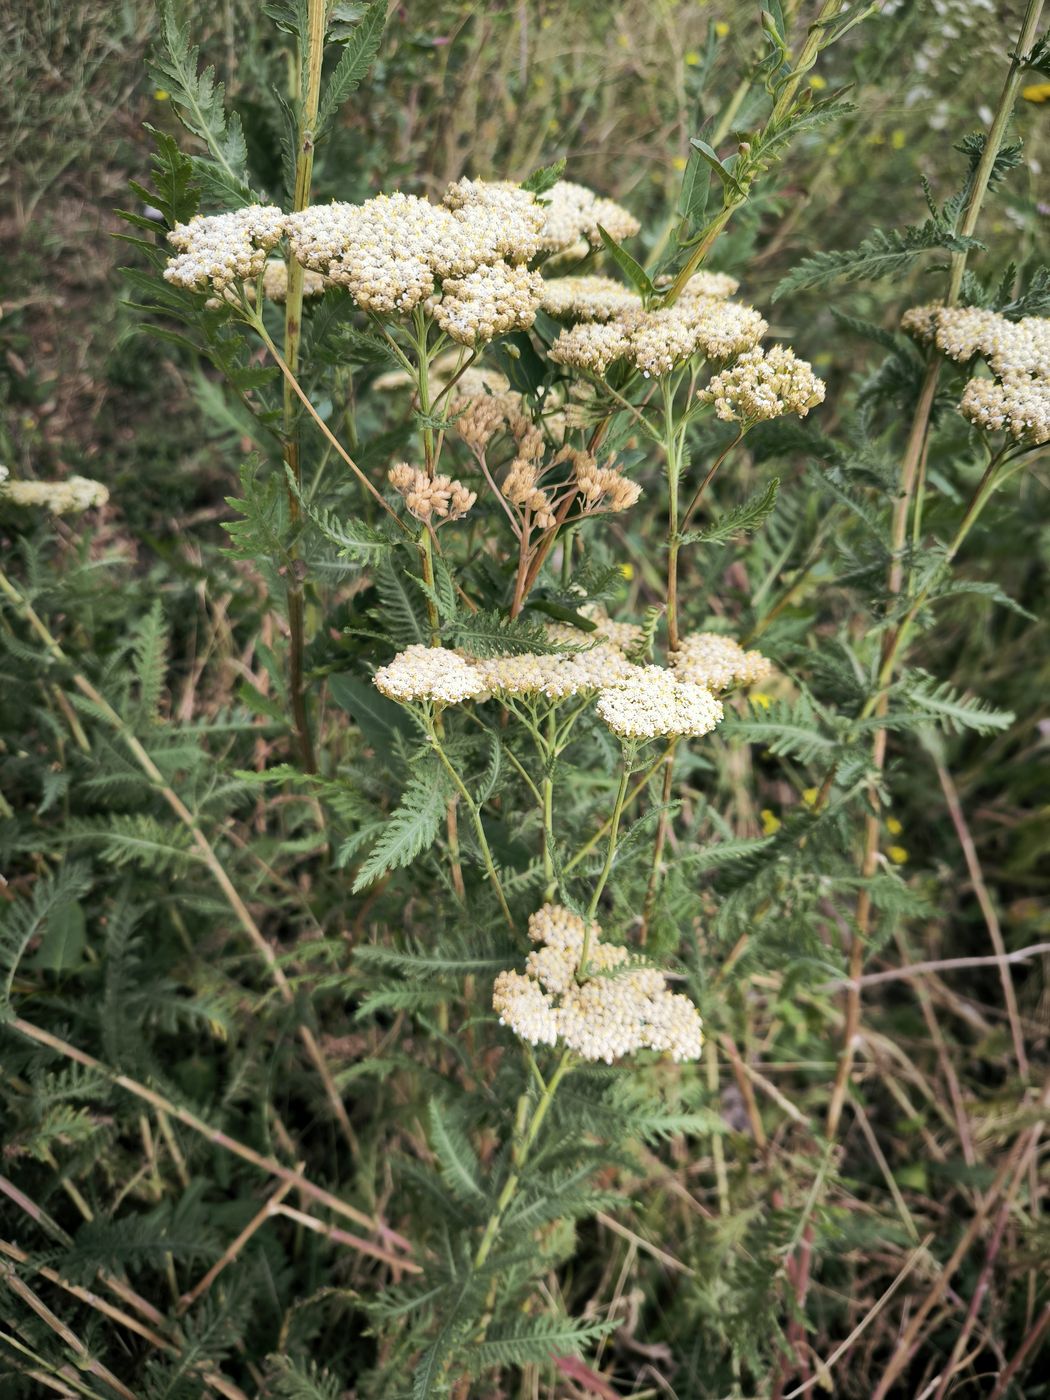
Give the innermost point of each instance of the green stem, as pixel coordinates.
(524, 1141)
(293, 316)
(610, 854)
(671, 446)
(548, 756)
(475, 814)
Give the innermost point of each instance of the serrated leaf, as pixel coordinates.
(358, 55)
(739, 520)
(540, 181)
(410, 829)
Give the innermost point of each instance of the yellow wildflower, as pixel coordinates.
(810, 795)
(628, 571)
(897, 138)
(721, 28)
(897, 854)
(893, 826)
(678, 162)
(1036, 92)
(692, 58)
(817, 83)
(759, 697)
(770, 823)
(161, 94)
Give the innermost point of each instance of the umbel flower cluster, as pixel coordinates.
(392, 251)
(636, 702)
(1017, 400)
(718, 662)
(69, 497)
(764, 384)
(604, 1010)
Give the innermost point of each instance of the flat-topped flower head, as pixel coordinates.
(72, 496)
(656, 341)
(652, 703)
(587, 298)
(494, 298)
(1019, 407)
(1011, 349)
(429, 673)
(216, 250)
(386, 251)
(717, 662)
(499, 218)
(554, 676)
(602, 1012)
(764, 384)
(573, 214)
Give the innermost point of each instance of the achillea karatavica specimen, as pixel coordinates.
(656, 341)
(389, 250)
(1011, 349)
(573, 213)
(652, 703)
(555, 676)
(69, 497)
(1019, 406)
(429, 673)
(717, 662)
(216, 250)
(492, 299)
(764, 384)
(1017, 353)
(602, 1011)
(427, 497)
(587, 298)
(504, 221)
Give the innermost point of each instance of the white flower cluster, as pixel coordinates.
(594, 298)
(1017, 353)
(655, 341)
(216, 250)
(601, 1012)
(651, 703)
(429, 496)
(494, 298)
(587, 298)
(555, 676)
(573, 213)
(389, 250)
(501, 219)
(1020, 407)
(717, 662)
(429, 673)
(1011, 349)
(70, 497)
(764, 384)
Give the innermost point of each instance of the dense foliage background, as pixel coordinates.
(731, 1248)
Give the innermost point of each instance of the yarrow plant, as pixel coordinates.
(501, 436)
